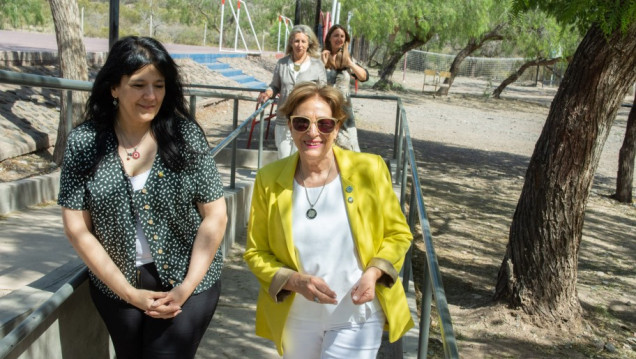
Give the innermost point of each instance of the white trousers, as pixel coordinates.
(313, 340)
(284, 142)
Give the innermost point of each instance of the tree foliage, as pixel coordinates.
(537, 34)
(539, 38)
(404, 25)
(608, 15)
(21, 13)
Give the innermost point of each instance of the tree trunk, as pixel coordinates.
(472, 46)
(625, 176)
(539, 270)
(72, 56)
(370, 60)
(389, 65)
(512, 78)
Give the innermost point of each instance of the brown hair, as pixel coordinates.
(307, 90)
(336, 63)
(330, 32)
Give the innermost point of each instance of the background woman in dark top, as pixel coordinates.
(142, 204)
(340, 67)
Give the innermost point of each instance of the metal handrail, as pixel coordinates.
(432, 287)
(403, 155)
(17, 78)
(446, 328)
(33, 321)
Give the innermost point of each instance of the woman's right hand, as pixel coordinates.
(346, 56)
(311, 288)
(264, 96)
(324, 56)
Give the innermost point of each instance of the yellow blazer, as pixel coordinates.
(379, 230)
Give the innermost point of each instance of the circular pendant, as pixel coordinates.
(136, 155)
(311, 213)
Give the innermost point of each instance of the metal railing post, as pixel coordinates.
(425, 315)
(193, 106)
(398, 126)
(403, 176)
(261, 127)
(407, 269)
(234, 126)
(400, 138)
(69, 111)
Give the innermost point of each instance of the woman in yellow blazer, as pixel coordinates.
(325, 226)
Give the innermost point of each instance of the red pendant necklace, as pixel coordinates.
(131, 151)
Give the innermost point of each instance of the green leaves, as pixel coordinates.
(609, 15)
(536, 34)
(22, 13)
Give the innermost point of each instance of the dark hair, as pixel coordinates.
(127, 56)
(330, 32)
(306, 90)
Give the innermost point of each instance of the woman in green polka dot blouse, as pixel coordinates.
(143, 205)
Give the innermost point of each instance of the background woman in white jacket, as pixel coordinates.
(301, 64)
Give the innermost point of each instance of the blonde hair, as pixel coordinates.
(307, 90)
(313, 49)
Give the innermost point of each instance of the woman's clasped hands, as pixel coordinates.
(160, 305)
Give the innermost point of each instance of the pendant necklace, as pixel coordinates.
(135, 155)
(311, 212)
(297, 66)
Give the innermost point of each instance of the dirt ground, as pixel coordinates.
(472, 153)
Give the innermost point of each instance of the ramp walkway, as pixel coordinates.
(36, 259)
(70, 315)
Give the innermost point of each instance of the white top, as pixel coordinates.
(325, 248)
(303, 67)
(144, 255)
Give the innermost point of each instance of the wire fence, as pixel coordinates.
(487, 70)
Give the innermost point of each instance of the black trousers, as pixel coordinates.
(136, 335)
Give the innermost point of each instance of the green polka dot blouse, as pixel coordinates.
(166, 206)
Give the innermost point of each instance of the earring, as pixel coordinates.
(115, 103)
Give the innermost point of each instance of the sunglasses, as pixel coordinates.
(325, 125)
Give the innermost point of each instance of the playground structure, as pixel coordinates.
(327, 19)
(284, 20)
(238, 31)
